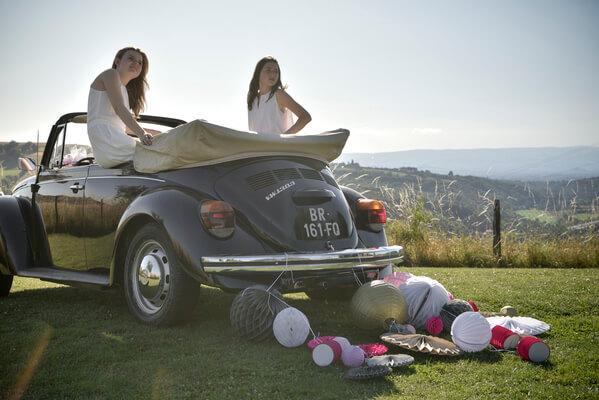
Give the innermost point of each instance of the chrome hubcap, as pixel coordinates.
(150, 277)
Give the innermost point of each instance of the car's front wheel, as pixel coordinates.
(157, 290)
(5, 285)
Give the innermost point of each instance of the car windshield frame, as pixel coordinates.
(81, 117)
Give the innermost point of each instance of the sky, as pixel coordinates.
(400, 75)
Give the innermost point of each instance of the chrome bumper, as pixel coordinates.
(378, 257)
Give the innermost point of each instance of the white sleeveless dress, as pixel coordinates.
(106, 131)
(266, 116)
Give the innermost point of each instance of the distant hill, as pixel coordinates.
(529, 164)
(469, 199)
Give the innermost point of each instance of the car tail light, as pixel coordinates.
(218, 218)
(371, 214)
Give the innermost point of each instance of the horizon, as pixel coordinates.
(459, 75)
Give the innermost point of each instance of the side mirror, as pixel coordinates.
(26, 164)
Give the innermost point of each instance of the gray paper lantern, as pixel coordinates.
(451, 310)
(253, 311)
(377, 301)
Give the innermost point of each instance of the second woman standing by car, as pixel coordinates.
(270, 107)
(112, 96)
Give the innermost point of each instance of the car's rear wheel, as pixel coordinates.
(332, 294)
(157, 289)
(5, 285)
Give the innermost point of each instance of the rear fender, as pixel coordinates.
(367, 237)
(15, 249)
(178, 213)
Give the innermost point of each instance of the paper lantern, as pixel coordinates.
(291, 327)
(471, 332)
(353, 356)
(343, 342)
(319, 340)
(520, 325)
(473, 305)
(397, 278)
(503, 338)
(425, 297)
(326, 353)
(509, 311)
(399, 328)
(363, 373)
(393, 360)
(422, 343)
(532, 349)
(434, 325)
(373, 349)
(451, 310)
(375, 302)
(253, 311)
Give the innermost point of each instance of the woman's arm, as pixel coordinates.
(303, 117)
(112, 84)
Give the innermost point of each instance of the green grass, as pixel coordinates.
(88, 346)
(11, 171)
(538, 215)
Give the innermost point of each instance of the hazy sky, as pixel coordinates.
(400, 75)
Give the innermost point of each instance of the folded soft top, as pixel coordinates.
(201, 143)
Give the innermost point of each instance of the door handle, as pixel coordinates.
(76, 187)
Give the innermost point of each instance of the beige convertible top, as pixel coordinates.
(201, 143)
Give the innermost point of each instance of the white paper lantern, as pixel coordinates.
(291, 327)
(471, 332)
(520, 325)
(425, 298)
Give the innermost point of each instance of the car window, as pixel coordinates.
(72, 145)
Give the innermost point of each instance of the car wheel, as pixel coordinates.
(333, 294)
(5, 285)
(157, 289)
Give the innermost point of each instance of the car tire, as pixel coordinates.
(5, 285)
(157, 289)
(332, 294)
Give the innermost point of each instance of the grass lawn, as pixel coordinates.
(62, 342)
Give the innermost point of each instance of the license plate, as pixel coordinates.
(317, 223)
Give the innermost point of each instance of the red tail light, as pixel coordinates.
(218, 218)
(371, 214)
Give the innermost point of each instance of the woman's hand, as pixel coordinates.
(146, 139)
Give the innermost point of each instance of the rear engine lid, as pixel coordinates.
(292, 203)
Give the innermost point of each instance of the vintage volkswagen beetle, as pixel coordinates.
(158, 236)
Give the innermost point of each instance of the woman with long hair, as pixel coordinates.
(113, 96)
(270, 107)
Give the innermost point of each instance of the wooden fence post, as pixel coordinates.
(497, 230)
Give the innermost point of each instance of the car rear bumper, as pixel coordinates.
(378, 257)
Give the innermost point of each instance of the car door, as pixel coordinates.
(61, 198)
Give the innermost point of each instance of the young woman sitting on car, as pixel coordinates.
(113, 95)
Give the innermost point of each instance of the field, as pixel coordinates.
(62, 342)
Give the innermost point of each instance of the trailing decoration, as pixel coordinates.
(253, 311)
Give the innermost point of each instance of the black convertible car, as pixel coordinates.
(159, 236)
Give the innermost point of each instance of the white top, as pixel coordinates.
(266, 116)
(106, 131)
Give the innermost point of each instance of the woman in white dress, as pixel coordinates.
(113, 95)
(270, 107)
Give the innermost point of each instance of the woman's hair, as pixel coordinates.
(136, 88)
(255, 82)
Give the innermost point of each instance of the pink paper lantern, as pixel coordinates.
(434, 325)
(373, 349)
(319, 340)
